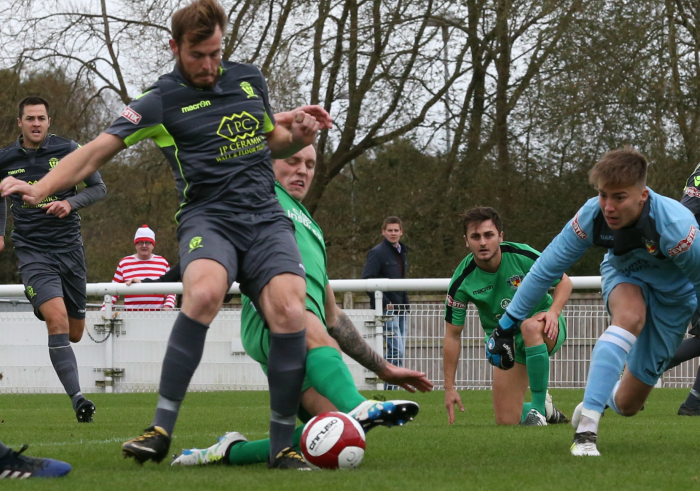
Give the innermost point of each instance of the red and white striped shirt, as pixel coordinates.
(132, 267)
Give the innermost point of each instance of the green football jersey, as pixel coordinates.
(491, 292)
(313, 254)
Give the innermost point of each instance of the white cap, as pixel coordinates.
(145, 234)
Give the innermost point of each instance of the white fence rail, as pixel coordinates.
(126, 355)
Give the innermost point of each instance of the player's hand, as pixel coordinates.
(2, 243)
(408, 379)
(304, 128)
(500, 348)
(551, 323)
(451, 399)
(167, 308)
(58, 208)
(321, 115)
(30, 194)
(132, 280)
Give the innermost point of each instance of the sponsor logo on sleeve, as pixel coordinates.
(577, 228)
(131, 115)
(684, 244)
(451, 302)
(692, 192)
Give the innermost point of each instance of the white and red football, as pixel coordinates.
(333, 441)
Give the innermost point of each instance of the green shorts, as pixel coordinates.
(520, 345)
(255, 337)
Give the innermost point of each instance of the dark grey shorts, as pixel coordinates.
(49, 275)
(252, 248)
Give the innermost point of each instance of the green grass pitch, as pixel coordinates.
(654, 450)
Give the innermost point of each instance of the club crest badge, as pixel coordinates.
(514, 281)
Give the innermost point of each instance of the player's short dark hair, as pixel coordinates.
(620, 168)
(198, 21)
(390, 220)
(32, 100)
(479, 215)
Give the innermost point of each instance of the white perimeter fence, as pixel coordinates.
(123, 350)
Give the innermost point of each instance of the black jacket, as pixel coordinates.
(385, 261)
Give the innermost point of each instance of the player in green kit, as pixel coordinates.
(328, 385)
(489, 278)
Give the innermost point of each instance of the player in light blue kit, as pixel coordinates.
(650, 274)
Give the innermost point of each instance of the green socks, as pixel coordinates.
(537, 361)
(245, 453)
(330, 376)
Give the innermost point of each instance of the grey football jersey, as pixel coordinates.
(213, 138)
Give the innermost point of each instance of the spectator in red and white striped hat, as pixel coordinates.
(143, 265)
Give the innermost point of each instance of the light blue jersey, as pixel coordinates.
(660, 251)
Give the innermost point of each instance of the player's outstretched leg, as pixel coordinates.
(216, 454)
(607, 361)
(14, 465)
(330, 376)
(184, 352)
(371, 414)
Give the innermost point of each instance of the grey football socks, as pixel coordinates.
(286, 367)
(65, 364)
(184, 352)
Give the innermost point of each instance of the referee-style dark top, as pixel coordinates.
(34, 228)
(213, 138)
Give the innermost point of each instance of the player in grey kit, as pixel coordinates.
(213, 122)
(690, 346)
(48, 242)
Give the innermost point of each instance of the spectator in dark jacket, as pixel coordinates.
(388, 260)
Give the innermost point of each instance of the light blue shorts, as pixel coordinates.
(667, 320)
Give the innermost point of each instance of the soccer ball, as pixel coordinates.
(333, 441)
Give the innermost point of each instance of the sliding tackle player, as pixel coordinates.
(328, 385)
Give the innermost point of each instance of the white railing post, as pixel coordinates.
(108, 363)
(379, 328)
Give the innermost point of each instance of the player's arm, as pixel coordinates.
(451, 349)
(94, 191)
(566, 248)
(560, 296)
(341, 328)
(285, 142)
(72, 169)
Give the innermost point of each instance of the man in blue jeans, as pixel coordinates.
(388, 260)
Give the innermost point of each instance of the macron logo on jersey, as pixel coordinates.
(451, 302)
(131, 115)
(684, 244)
(577, 228)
